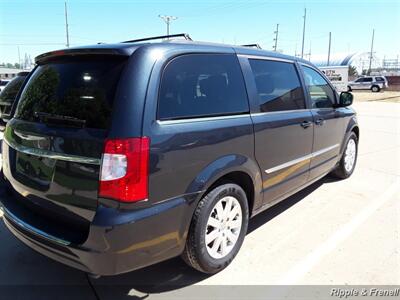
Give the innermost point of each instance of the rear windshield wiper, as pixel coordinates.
(60, 119)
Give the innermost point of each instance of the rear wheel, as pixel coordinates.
(375, 88)
(349, 88)
(218, 228)
(349, 158)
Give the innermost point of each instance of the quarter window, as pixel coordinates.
(278, 85)
(198, 85)
(321, 94)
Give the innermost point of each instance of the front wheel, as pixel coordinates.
(217, 230)
(349, 158)
(375, 88)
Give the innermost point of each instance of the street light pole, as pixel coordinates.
(167, 20)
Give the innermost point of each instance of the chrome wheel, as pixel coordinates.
(350, 155)
(223, 227)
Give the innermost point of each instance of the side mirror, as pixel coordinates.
(345, 99)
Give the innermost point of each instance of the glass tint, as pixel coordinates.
(278, 85)
(199, 85)
(71, 93)
(321, 94)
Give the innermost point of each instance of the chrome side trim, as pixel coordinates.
(279, 112)
(53, 155)
(34, 230)
(300, 159)
(266, 58)
(322, 151)
(202, 119)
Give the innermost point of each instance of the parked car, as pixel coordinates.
(119, 156)
(373, 83)
(8, 96)
(3, 83)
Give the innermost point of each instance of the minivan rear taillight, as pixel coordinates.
(125, 169)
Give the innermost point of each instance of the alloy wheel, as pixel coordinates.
(223, 227)
(350, 155)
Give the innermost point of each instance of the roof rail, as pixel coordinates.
(252, 46)
(184, 35)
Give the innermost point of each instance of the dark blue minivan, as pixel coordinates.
(119, 156)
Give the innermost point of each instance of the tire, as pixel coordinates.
(343, 169)
(200, 255)
(349, 88)
(375, 88)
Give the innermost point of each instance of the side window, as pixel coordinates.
(321, 94)
(360, 80)
(197, 85)
(368, 79)
(379, 79)
(278, 85)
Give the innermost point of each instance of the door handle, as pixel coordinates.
(320, 122)
(306, 124)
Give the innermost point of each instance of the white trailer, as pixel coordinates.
(338, 75)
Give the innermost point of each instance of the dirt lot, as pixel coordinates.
(386, 96)
(334, 232)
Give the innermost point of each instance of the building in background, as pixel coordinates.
(8, 73)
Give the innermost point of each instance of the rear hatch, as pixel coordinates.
(54, 143)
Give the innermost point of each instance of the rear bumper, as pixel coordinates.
(118, 241)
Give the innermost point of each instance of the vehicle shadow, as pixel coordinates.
(174, 273)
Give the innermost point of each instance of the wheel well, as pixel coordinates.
(243, 180)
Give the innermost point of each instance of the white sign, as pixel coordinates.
(338, 75)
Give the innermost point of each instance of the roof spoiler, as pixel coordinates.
(75, 52)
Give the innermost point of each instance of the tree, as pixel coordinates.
(353, 71)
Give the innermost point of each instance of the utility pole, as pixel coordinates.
(329, 49)
(371, 53)
(304, 32)
(309, 53)
(19, 59)
(276, 37)
(167, 20)
(66, 23)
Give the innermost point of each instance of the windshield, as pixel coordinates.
(72, 93)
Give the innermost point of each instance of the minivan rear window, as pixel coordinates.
(202, 85)
(77, 93)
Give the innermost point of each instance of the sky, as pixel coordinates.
(34, 27)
